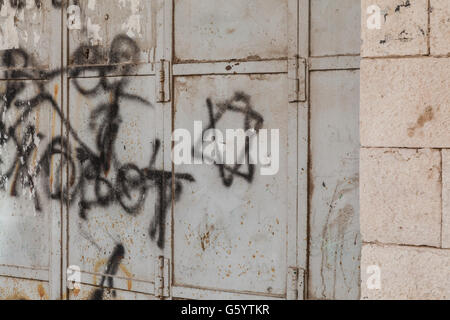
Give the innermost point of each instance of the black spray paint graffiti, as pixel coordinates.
(96, 177)
(87, 167)
(111, 270)
(94, 165)
(239, 104)
(20, 4)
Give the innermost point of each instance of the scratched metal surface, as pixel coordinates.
(234, 29)
(230, 233)
(335, 241)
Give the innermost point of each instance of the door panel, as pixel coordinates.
(30, 119)
(113, 193)
(218, 30)
(334, 199)
(116, 138)
(230, 232)
(20, 289)
(335, 27)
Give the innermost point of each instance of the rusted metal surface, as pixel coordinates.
(19, 289)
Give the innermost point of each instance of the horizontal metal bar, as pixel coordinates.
(120, 283)
(334, 63)
(247, 67)
(201, 294)
(24, 273)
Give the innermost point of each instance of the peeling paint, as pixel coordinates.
(93, 31)
(133, 27)
(9, 35)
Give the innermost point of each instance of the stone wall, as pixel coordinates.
(405, 155)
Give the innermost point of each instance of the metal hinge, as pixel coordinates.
(297, 79)
(296, 284)
(162, 278)
(163, 83)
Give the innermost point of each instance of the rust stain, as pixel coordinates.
(13, 185)
(76, 292)
(17, 296)
(204, 240)
(124, 270)
(42, 292)
(56, 91)
(97, 267)
(254, 57)
(128, 275)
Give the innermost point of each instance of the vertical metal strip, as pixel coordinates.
(303, 147)
(56, 229)
(66, 110)
(169, 121)
(292, 236)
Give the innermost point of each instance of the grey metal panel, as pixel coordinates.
(232, 237)
(335, 27)
(217, 30)
(27, 179)
(30, 44)
(124, 219)
(335, 242)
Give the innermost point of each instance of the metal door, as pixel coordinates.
(92, 188)
(81, 148)
(115, 140)
(234, 231)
